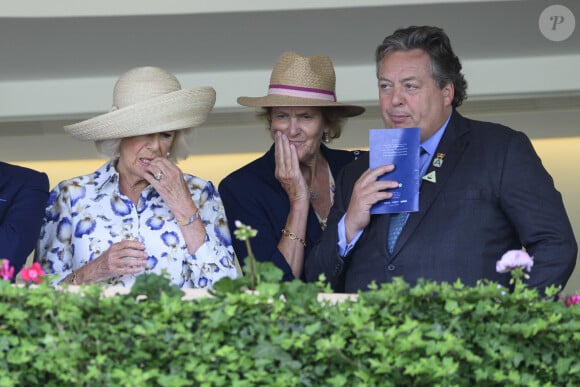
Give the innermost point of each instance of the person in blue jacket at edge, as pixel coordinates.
(23, 198)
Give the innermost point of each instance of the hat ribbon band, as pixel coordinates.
(302, 92)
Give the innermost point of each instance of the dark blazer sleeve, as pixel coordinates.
(324, 257)
(24, 194)
(534, 206)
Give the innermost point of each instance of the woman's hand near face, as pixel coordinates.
(174, 191)
(125, 257)
(287, 170)
(171, 186)
(290, 176)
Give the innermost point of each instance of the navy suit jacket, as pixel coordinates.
(491, 195)
(253, 196)
(23, 197)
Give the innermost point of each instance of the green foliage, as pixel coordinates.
(153, 286)
(282, 334)
(258, 272)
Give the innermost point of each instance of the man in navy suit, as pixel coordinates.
(23, 197)
(484, 190)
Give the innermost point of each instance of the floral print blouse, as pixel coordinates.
(86, 214)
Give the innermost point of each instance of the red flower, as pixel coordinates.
(32, 273)
(6, 271)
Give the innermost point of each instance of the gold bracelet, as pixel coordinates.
(189, 220)
(294, 237)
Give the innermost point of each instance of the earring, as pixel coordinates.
(167, 154)
(325, 137)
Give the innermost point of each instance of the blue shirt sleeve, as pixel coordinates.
(343, 247)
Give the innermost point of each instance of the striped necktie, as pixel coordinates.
(396, 224)
(398, 220)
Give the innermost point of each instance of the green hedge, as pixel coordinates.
(281, 335)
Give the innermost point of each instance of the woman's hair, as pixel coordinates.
(333, 117)
(445, 65)
(179, 150)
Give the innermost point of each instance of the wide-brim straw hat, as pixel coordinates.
(147, 100)
(302, 81)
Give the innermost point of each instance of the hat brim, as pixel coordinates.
(177, 110)
(274, 100)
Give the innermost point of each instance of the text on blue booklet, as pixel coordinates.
(399, 146)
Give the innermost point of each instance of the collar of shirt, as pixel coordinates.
(105, 174)
(106, 181)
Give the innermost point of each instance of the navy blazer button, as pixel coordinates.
(391, 268)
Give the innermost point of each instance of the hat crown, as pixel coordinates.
(312, 72)
(148, 100)
(302, 81)
(141, 84)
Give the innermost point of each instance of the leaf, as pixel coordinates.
(152, 286)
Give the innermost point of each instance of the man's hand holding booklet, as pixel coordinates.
(399, 146)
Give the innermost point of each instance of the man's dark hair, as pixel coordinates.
(445, 65)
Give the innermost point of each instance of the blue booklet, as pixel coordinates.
(399, 146)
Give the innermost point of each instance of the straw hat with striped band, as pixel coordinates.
(302, 81)
(147, 100)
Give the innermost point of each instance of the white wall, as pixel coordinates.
(58, 98)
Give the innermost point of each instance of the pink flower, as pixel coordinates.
(513, 259)
(7, 271)
(573, 300)
(33, 273)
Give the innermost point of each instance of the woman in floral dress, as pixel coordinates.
(139, 213)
